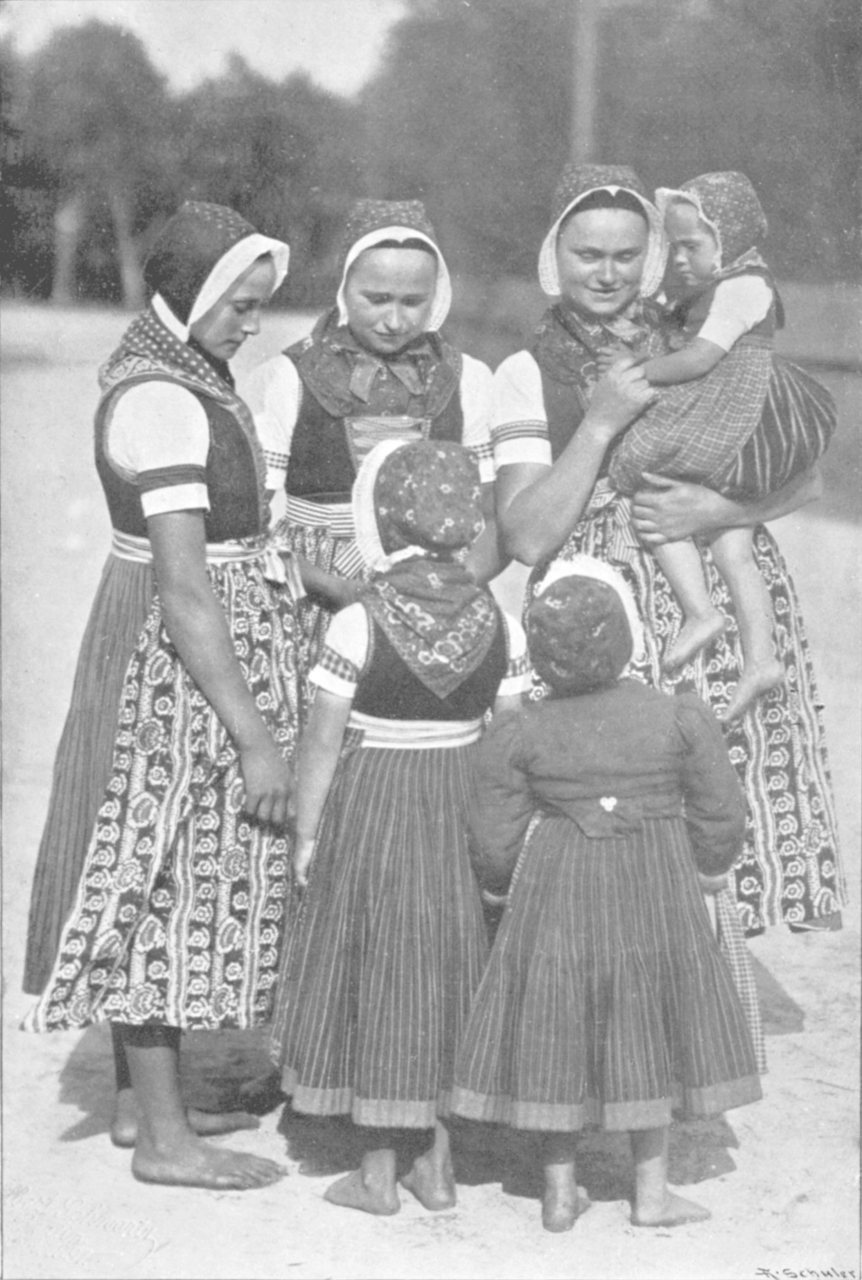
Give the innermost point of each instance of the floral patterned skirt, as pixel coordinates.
(182, 904)
(789, 869)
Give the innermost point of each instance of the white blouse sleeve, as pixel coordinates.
(272, 390)
(518, 677)
(519, 424)
(158, 436)
(344, 652)
(477, 383)
(737, 306)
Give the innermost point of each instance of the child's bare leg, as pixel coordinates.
(563, 1201)
(372, 1187)
(431, 1177)
(655, 1205)
(167, 1150)
(733, 553)
(681, 564)
(124, 1122)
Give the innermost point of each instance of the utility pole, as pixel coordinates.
(585, 41)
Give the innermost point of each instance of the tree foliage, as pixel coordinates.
(470, 111)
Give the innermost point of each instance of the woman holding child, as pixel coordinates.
(556, 420)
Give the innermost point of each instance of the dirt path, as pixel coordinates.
(780, 1177)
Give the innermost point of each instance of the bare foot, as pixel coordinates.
(432, 1184)
(192, 1163)
(673, 1211)
(562, 1206)
(206, 1124)
(262, 1094)
(754, 682)
(694, 634)
(354, 1192)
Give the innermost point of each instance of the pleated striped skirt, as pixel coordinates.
(389, 948)
(82, 765)
(606, 1000)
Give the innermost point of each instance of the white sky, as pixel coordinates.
(338, 42)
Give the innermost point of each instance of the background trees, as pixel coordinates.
(471, 111)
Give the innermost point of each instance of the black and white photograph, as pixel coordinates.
(431, 681)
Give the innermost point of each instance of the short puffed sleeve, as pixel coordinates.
(158, 436)
(519, 423)
(273, 391)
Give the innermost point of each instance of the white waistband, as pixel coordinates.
(278, 568)
(414, 735)
(337, 517)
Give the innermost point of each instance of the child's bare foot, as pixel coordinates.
(262, 1094)
(192, 1163)
(432, 1184)
(562, 1206)
(755, 681)
(355, 1191)
(671, 1211)
(694, 634)
(206, 1124)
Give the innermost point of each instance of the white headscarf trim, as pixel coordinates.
(582, 566)
(365, 512)
(666, 196)
(443, 292)
(654, 260)
(231, 266)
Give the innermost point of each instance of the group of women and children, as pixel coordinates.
(305, 762)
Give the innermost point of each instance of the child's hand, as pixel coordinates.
(712, 884)
(609, 355)
(302, 856)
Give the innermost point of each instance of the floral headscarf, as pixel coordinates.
(583, 627)
(728, 204)
(576, 183)
(414, 506)
(372, 221)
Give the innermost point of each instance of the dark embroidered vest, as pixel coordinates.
(389, 690)
(323, 464)
(231, 476)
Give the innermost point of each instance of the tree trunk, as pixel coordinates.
(131, 272)
(68, 225)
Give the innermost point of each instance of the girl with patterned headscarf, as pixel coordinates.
(165, 852)
(390, 944)
(376, 367)
(606, 810)
(557, 420)
(733, 416)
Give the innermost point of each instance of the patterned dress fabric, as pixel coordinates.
(166, 891)
(606, 1000)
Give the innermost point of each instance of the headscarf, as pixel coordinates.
(202, 250)
(581, 180)
(727, 203)
(414, 506)
(371, 221)
(344, 376)
(583, 627)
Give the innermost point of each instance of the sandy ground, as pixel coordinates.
(780, 1177)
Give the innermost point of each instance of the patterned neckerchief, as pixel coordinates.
(565, 344)
(348, 380)
(436, 618)
(148, 350)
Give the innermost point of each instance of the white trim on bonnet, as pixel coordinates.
(656, 253)
(232, 265)
(443, 292)
(365, 515)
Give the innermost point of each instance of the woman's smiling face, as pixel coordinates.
(600, 260)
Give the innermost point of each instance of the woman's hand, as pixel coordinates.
(619, 396)
(674, 509)
(269, 784)
(608, 356)
(302, 856)
(336, 592)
